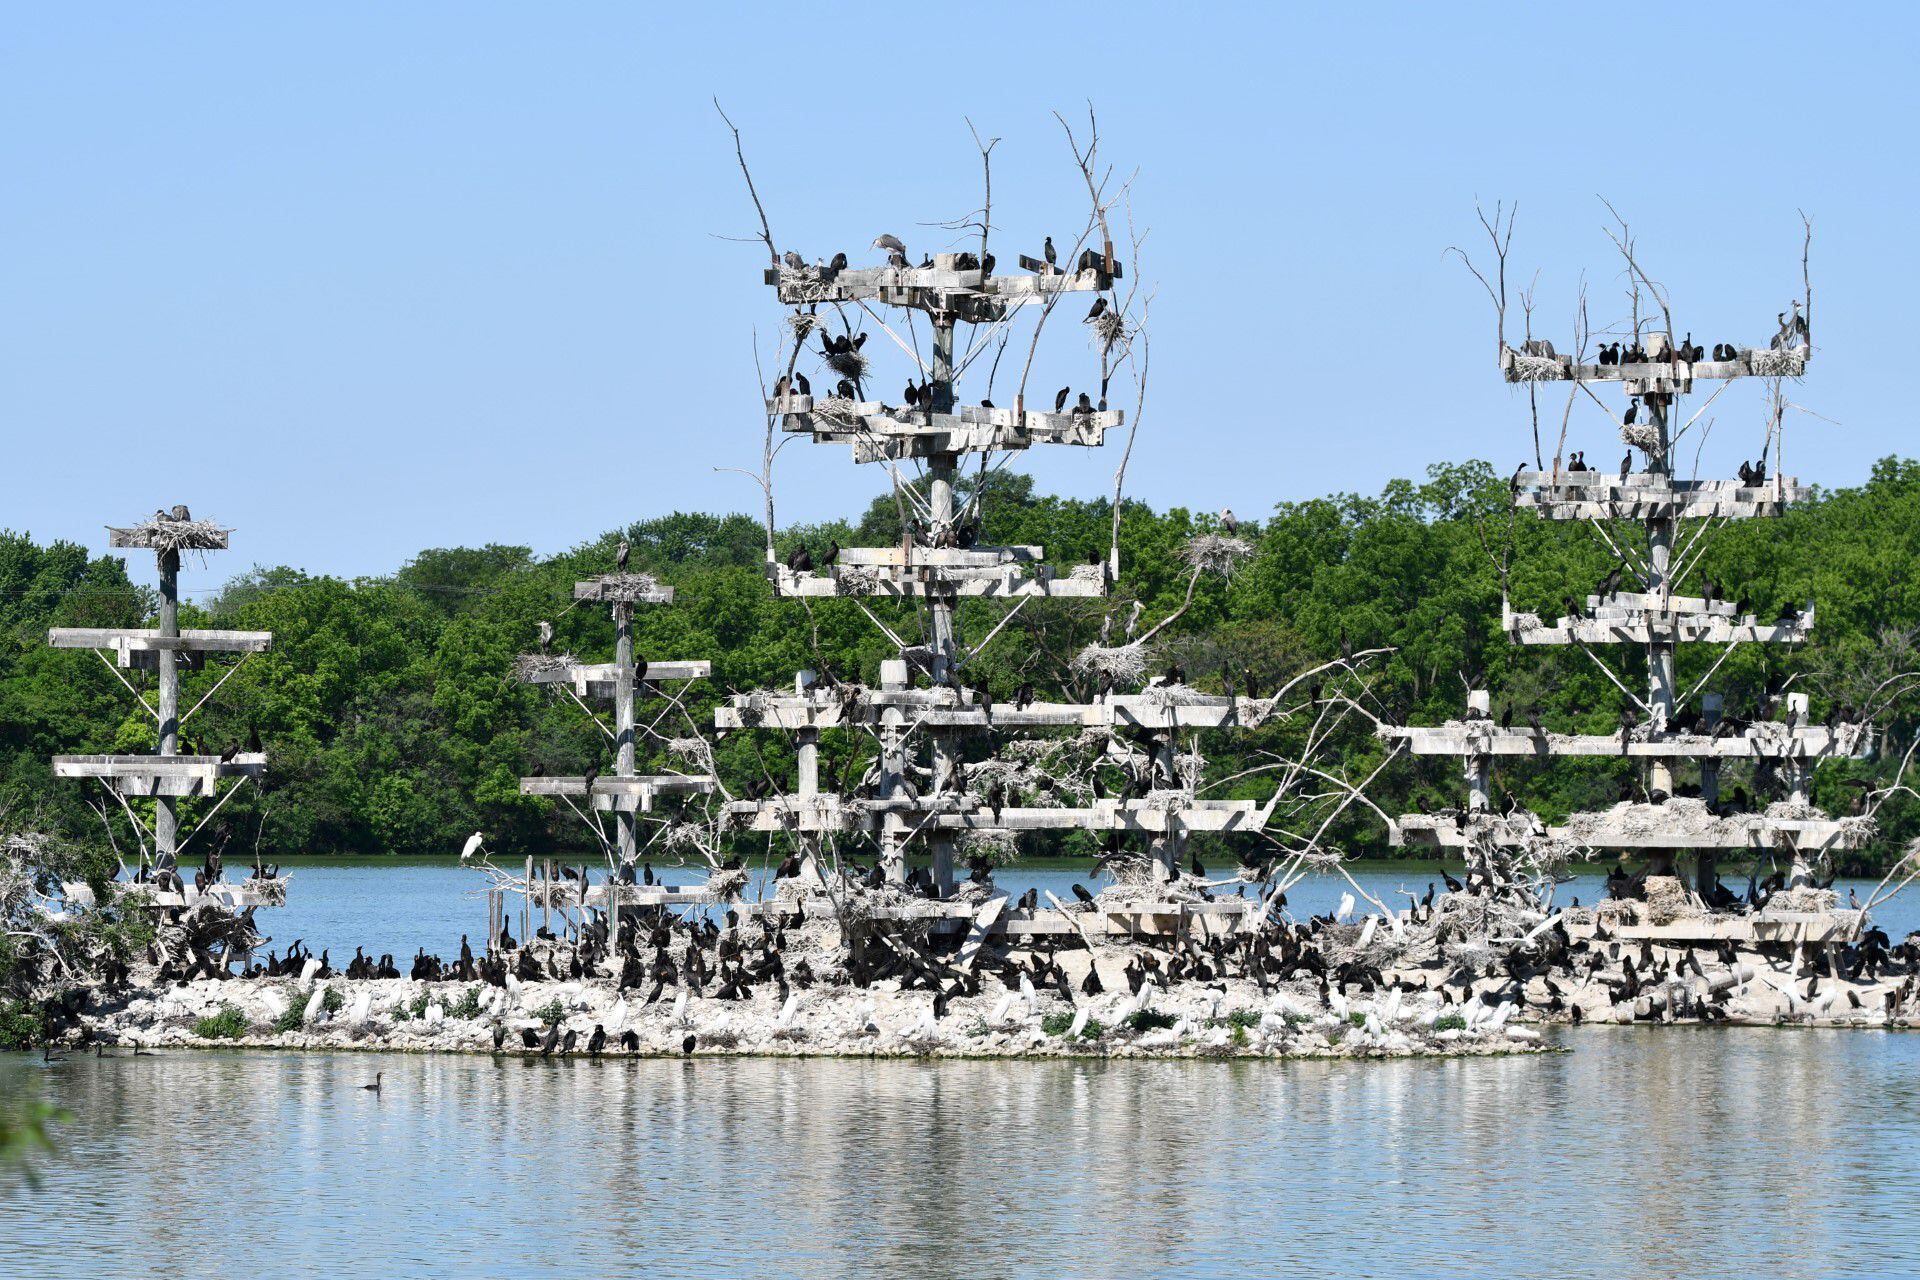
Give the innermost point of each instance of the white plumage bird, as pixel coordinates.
(680, 1007)
(1079, 1023)
(787, 1012)
(1344, 911)
(1001, 1010)
(472, 846)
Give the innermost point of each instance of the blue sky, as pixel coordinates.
(362, 279)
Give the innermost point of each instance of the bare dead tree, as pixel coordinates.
(1502, 240)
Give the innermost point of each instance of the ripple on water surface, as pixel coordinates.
(1702, 1152)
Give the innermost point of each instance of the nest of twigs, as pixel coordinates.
(1526, 368)
(1109, 326)
(635, 588)
(528, 666)
(1779, 362)
(803, 323)
(168, 534)
(271, 893)
(802, 284)
(1216, 553)
(1642, 436)
(1122, 664)
(858, 580)
(998, 848)
(850, 365)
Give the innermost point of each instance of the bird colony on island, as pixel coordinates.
(879, 927)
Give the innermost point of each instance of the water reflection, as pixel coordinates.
(1697, 1151)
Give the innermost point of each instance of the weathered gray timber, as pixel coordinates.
(167, 776)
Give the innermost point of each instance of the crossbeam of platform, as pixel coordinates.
(1655, 375)
(1776, 741)
(1741, 831)
(878, 432)
(161, 775)
(941, 708)
(1003, 582)
(136, 646)
(1602, 495)
(829, 813)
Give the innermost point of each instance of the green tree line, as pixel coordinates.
(394, 725)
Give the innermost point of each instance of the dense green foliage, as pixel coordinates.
(394, 725)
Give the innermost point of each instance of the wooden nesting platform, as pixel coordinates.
(945, 708)
(136, 647)
(829, 813)
(618, 794)
(146, 537)
(972, 295)
(1608, 831)
(997, 572)
(1772, 741)
(1779, 927)
(1680, 622)
(878, 431)
(601, 679)
(1640, 495)
(161, 775)
(1659, 376)
(633, 588)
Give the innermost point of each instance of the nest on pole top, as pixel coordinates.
(166, 533)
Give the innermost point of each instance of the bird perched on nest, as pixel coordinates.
(546, 635)
(895, 247)
(1099, 309)
(794, 260)
(620, 556)
(1228, 524)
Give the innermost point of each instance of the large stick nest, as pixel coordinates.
(1788, 362)
(1526, 368)
(634, 588)
(169, 534)
(1123, 664)
(1216, 553)
(527, 666)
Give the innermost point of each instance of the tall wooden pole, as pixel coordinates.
(946, 753)
(624, 818)
(166, 830)
(1662, 695)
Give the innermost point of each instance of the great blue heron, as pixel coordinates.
(1229, 523)
(794, 260)
(891, 243)
(620, 556)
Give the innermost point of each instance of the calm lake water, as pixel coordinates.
(1678, 1152)
(391, 906)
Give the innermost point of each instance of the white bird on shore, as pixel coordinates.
(314, 1003)
(1079, 1022)
(680, 1008)
(1344, 912)
(617, 1019)
(1337, 1001)
(1028, 994)
(787, 1012)
(307, 970)
(1001, 1009)
(473, 844)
